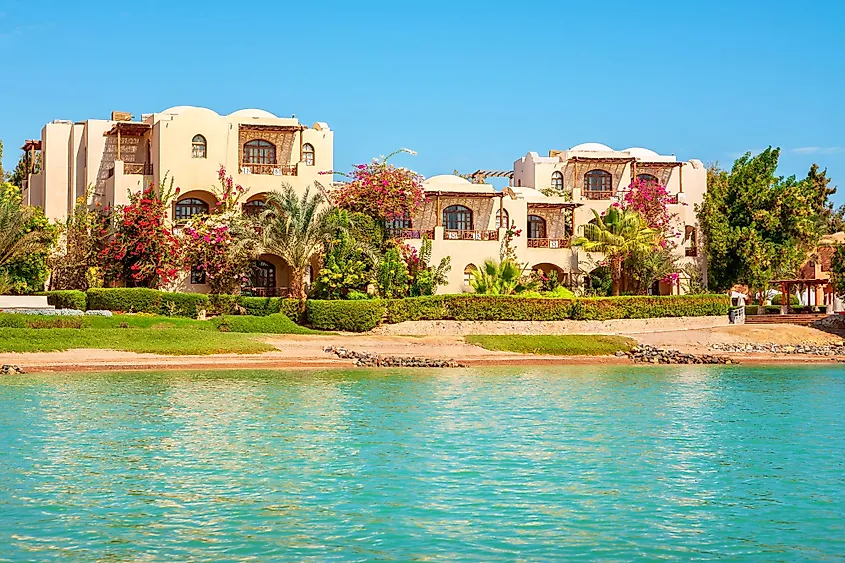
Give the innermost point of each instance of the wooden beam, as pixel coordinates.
(118, 144)
(437, 210)
(501, 212)
(633, 171)
(681, 179)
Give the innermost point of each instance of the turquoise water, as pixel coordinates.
(509, 465)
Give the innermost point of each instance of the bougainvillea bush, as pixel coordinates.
(651, 200)
(221, 245)
(140, 248)
(381, 190)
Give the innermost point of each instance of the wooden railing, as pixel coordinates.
(269, 169)
(143, 168)
(548, 243)
(470, 235)
(410, 234)
(266, 291)
(590, 194)
(691, 251)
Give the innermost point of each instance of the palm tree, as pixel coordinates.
(17, 238)
(501, 278)
(295, 228)
(617, 234)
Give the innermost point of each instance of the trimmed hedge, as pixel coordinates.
(183, 304)
(350, 316)
(270, 324)
(427, 308)
(646, 307)
(126, 299)
(507, 308)
(67, 299)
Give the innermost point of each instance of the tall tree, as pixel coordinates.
(828, 220)
(25, 238)
(22, 169)
(756, 225)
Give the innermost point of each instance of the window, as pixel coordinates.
(263, 274)
(259, 151)
(187, 208)
(457, 218)
(199, 147)
(398, 224)
(308, 154)
(536, 227)
(503, 221)
(557, 181)
(598, 181)
(648, 178)
(255, 207)
(470, 268)
(197, 276)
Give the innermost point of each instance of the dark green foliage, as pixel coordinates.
(260, 306)
(837, 270)
(183, 304)
(793, 300)
(222, 304)
(125, 299)
(14, 320)
(67, 299)
(646, 307)
(349, 316)
(507, 308)
(426, 308)
(270, 324)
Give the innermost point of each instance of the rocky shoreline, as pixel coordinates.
(11, 369)
(644, 354)
(805, 349)
(365, 359)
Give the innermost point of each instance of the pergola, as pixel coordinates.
(126, 128)
(29, 148)
(480, 176)
(787, 285)
(468, 194)
(563, 206)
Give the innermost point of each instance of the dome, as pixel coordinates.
(639, 152)
(594, 147)
(178, 110)
(447, 179)
(252, 113)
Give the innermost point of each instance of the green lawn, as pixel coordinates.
(145, 333)
(555, 345)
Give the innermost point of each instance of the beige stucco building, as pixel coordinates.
(463, 218)
(466, 220)
(187, 144)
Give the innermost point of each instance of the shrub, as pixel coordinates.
(416, 309)
(67, 299)
(128, 299)
(183, 304)
(222, 304)
(793, 300)
(269, 324)
(259, 306)
(644, 307)
(507, 308)
(350, 316)
(293, 309)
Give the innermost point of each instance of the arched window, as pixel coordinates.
(503, 220)
(308, 154)
(557, 181)
(259, 151)
(188, 207)
(199, 147)
(255, 207)
(457, 218)
(470, 268)
(598, 181)
(648, 178)
(536, 227)
(262, 274)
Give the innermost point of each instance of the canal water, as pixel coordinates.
(531, 464)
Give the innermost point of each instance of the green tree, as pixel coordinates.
(295, 229)
(646, 267)
(837, 270)
(347, 265)
(392, 275)
(618, 234)
(828, 219)
(501, 278)
(25, 240)
(21, 170)
(756, 225)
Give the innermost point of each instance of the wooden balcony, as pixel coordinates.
(266, 291)
(471, 235)
(589, 194)
(548, 243)
(410, 234)
(270, 169)
(140, 168)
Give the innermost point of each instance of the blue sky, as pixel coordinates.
(466, 84)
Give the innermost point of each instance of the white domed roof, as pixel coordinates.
(178, 110)
(640, 152)
(447, 179)
(596, 147)
(252, 113)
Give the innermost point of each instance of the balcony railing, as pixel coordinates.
(266, 291)
(143, 168)
(269, 169)
(590, 194)
(470, 235)
(691, 251)
(410, 234)
(548, 243)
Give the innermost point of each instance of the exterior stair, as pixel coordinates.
(803, 319)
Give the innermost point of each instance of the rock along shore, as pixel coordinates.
(365, 359)
(645, 354)
(806, 349)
